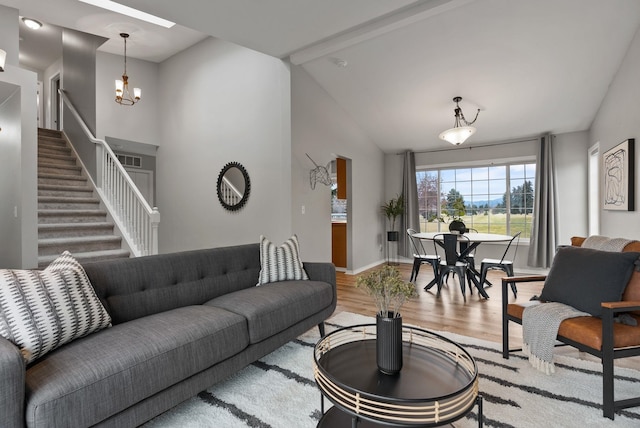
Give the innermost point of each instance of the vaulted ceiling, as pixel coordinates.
(394, 65)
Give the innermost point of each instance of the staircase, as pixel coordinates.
(69, 215)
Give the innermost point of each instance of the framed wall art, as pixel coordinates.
(619, 177)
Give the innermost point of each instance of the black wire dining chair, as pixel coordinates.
(420, 256)
(503, 264)
(452, 263)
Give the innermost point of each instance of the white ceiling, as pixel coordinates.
(530, 66)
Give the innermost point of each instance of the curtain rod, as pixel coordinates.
(475, 147)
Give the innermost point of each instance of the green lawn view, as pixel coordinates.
(495, 223)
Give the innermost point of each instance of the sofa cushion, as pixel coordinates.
(141, 286)
(272, 308)
(42, 310)
(584, 278)
(587, 330)
(102, 374)
(280, 263)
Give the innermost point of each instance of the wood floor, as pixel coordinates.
(475, 316)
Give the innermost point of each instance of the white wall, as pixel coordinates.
(572, 168)
(18, 179)
(617, 120)
(9, 30)
(324, 130)
(10, 234)
(139, 122)
(221, 103)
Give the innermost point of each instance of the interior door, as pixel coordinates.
(144, 180)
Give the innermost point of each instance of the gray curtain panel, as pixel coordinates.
(410, 217)
(542, 245)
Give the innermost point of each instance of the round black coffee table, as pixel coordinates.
(438, 383)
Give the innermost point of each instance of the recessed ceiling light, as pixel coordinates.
(32, 23)
(129, 11)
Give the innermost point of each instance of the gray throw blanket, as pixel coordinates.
(603, 243)
(540, 323)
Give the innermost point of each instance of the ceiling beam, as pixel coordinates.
(391, 22)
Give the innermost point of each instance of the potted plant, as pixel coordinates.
(454, 217)
(389, 292)
(391, 210)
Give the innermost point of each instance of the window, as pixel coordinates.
(494, 199)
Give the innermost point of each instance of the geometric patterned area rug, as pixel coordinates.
(279, 391)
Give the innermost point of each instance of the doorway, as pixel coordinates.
(143, 179)
(341, 213)
(55, 102)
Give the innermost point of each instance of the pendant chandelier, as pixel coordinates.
(123, 96)
(459, 134)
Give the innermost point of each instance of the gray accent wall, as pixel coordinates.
(79, 83)
(223, 103)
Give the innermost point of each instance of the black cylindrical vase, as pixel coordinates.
(392, 235)
(389, 343)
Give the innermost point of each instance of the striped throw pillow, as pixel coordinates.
(42, 310)
(280, 263)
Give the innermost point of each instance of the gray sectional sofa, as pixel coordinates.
(181, 323)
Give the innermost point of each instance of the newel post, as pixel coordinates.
(155, 221)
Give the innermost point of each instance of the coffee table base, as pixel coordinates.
(336, 418)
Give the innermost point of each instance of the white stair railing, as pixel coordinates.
(135, 219)
(230, 195)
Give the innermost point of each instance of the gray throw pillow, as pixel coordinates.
(584, 278)
(42, 310)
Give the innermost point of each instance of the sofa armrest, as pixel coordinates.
(12, 373)
(323, 271)
(318, 271)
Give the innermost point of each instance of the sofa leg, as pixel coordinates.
(321, 329)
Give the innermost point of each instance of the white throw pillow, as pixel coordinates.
(280, 263)
(42, 310)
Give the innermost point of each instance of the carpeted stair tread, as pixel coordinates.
(55, 230)
(62, 187)
(85, 257)
(78, 244)
(57, 151)
(58, 168)
(44, 132)
(53, 145)
(48, 242)
(57, 158)
(68, 203)
(62, 177)
(69, 199)
(54, 212)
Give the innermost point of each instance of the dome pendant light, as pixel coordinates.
(459, 134)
